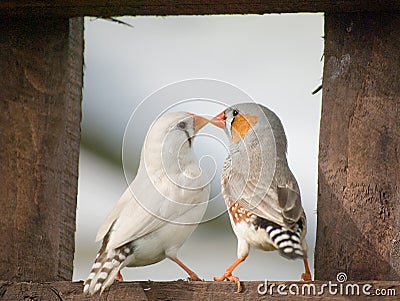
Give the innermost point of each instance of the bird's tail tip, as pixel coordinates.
(102, 275)
(289, 243)
(99, 282)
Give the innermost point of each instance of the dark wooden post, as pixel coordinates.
(40, 98)
(359, 160)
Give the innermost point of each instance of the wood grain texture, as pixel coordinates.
(40, 106)
(183, 7)
(359, 171)
(182, 290)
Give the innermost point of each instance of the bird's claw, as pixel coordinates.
(230, 277)
(194, 277)
(306, 277)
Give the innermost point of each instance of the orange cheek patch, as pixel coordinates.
(241, 125)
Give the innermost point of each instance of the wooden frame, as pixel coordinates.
(41, 59)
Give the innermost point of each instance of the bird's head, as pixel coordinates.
(240, 120)
(168, 155)
(173, 133)
(250, 125)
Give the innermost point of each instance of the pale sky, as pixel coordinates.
(272, 59)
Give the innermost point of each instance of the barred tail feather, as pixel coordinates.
(288, 242)
(101, 276)
(106, 267)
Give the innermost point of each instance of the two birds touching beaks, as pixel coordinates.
(168, 197)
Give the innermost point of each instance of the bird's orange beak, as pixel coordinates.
(199, 122)
(219, 120)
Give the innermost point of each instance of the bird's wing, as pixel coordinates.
(290, 202)
(132, 219)
(277, 200)
(128, 221)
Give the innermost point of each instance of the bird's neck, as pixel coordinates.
(167, 158)
(265, 143)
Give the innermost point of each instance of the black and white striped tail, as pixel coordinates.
(288, 242)
(106, 267)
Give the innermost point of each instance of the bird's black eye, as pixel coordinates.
(235, 113)
(181, 125)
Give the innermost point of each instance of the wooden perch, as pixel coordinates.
(183, 290)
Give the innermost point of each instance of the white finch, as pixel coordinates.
(160, 208)
(260, 191)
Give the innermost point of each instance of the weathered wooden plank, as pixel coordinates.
(182, 290)
(184, 7)
(40, 106)
(359, 169)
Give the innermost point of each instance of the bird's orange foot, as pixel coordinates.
(306, 277)
(230, 277)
